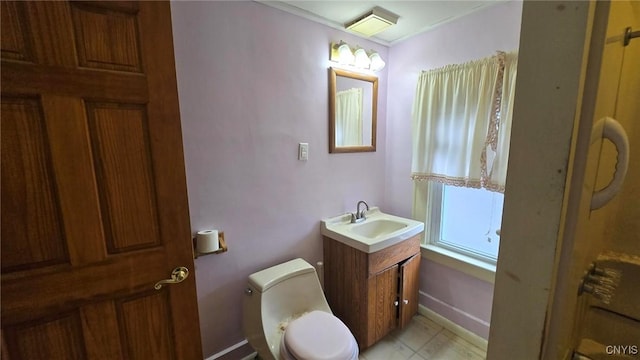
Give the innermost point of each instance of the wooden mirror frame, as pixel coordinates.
(333, 74)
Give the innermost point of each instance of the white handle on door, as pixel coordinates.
(611, 129)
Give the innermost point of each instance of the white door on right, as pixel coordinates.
(591, 324)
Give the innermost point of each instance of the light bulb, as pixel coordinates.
(362, 59)
(377, 63)
(346, 56)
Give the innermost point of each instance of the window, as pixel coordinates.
(465, 220)
(461, 132)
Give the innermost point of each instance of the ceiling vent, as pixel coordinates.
(373, 22)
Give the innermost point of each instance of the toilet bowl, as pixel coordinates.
(286, 316)
(318, 335)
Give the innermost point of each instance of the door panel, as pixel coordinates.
(63, 336)
(28, 171)
(386, 297)
(409, 273)
(143, 328)
(94, 202)
(122, 161)
(117, 52)
(14, 43)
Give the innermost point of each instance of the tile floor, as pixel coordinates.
(423, 339)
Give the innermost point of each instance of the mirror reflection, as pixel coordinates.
(353, 111)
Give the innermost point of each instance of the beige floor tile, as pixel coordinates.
(417, 356)
(423, 339)
(465, 344)
(418, 332)
(388, 349)
(447, 346)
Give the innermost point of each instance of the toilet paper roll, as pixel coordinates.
(207, 241)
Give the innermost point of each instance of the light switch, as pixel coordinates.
(303, 151)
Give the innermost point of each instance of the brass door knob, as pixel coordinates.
(177, 275)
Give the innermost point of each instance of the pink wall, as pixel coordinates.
(253, 83)
(461, 298)
(475, 36)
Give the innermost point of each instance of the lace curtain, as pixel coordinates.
(462, 123)
(499, 140)
(349, 117)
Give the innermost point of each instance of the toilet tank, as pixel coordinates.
(282, 293)
(289, 289)
(267, 278)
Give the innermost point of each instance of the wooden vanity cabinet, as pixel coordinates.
(375, 293)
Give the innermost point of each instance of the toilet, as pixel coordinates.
(286, 316)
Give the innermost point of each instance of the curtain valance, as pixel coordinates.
(462, 122)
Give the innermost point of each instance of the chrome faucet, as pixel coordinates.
(359, 216)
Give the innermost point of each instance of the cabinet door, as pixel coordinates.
(386, 317)
(409, 285)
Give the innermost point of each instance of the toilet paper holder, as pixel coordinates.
(223, 246)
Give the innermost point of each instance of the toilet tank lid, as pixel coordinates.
(264, 279)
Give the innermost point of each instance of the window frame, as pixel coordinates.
(433, 220)
(471, 266)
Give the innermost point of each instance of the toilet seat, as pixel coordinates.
(318, 335)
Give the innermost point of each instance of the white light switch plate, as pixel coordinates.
(303, 151)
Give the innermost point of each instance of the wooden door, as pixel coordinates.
(94, 202)
(613, 227)
(386, 316)
(409, 286)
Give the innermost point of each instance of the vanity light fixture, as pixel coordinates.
(341, 53)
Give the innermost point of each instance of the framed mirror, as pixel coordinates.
(353, 110)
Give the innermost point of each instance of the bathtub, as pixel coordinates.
(612, 331)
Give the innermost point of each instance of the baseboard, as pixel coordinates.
(237, 351)
(453, 327)
(457, 315)
(250, 356)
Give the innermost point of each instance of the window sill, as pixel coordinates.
(468, 265)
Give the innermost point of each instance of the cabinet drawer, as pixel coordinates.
(394, 254)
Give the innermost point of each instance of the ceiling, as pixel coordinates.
(414, 16)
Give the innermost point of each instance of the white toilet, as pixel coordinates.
(286, 316)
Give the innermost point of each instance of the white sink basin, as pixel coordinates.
(377, 228)
(377, 232)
